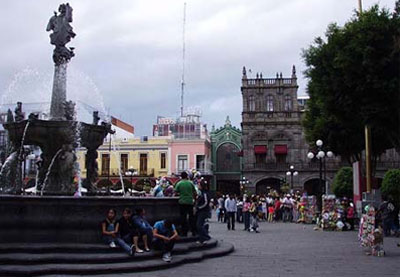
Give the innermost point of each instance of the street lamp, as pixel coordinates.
(321, 155)
(292, 172)
(131, 172)
(243, 184)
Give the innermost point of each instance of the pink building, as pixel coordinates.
(189, 144)
(188, 154)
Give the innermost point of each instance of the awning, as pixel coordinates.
(260, 149)
(280, 149)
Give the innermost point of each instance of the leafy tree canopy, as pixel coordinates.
(343, 183)
(354, 80)
(391, 184)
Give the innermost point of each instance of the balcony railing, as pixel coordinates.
(273, 166)
(114, 172)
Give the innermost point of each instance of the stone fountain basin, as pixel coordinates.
(53, 134)
(48, 219)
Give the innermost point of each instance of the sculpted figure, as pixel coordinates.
(62, 34)
(96, 118)
(19, 115)
(69, 110)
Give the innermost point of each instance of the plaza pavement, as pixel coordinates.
(288, 249)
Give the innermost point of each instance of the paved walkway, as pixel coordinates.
(287, 249)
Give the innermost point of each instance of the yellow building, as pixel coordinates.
(144, 156)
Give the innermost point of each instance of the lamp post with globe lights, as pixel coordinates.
(131, 172)
(291, 172)
(321, 155)
(243, 184)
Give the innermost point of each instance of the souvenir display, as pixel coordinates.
(370, 237)
(306, 208)
(333, 214)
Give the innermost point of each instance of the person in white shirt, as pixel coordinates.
(287, 208)
(231, 209)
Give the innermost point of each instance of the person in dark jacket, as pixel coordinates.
(202, 212)
(128, 231)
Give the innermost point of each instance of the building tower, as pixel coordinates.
(271, 124)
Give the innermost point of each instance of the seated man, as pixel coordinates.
(144, 228)
(165, 234)
(128, 231)
(110, 229)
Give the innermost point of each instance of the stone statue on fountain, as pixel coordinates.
(19, 115)
(62, 34)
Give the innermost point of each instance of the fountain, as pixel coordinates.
(58, 213)
(57, 137)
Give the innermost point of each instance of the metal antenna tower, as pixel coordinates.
(183, 58)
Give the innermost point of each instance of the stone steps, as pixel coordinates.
(19, 263)
(115, 255)
(67, 247)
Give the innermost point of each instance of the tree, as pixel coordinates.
(391, 184)
(354, 80)
(343, 183)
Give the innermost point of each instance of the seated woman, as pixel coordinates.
(109, 228)
(144, 228)
(165, 234)
(128, 231)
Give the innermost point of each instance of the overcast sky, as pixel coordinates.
(129, 53)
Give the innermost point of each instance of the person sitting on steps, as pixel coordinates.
(110, 228)
(128, 231)
(144, 228)
(165, 235)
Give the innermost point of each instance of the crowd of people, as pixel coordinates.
(252, 209)
(130, 229)
(274, 207)
(195, 208)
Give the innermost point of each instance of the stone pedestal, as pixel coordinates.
(59, 93)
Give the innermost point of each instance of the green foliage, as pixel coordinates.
(354, 80)
(343, 183)
(391, 184)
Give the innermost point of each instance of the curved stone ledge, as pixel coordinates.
(69, 219)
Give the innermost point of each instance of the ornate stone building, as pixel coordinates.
(226, 158)
(273, 138)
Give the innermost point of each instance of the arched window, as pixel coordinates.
(228, 159)
(270, 103)
(252, 103)
(288, 103)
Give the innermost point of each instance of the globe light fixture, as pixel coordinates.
(291, 173)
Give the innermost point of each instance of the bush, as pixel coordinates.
(343, 183)
(391, 184)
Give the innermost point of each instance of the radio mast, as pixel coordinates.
(183, 58)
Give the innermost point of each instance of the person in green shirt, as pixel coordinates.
(187, 194)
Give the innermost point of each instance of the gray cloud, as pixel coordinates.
(132, 49)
